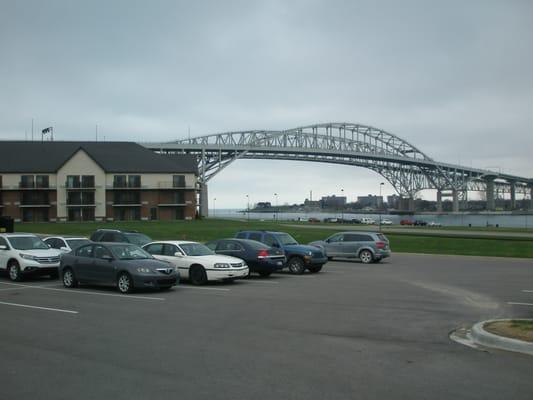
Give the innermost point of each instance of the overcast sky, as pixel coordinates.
(454, 78)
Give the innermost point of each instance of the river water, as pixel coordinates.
(479, 220)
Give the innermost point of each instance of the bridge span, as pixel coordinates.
(408, 169)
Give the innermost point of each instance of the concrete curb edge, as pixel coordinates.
(487, 339)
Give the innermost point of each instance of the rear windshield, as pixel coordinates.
(382, 237)
(256, 245)
(27, 243)
(75, 243)
(138, 238)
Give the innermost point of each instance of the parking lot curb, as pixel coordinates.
(480, 336)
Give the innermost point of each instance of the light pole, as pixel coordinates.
(214, 206)
(277, 209)
(248, 206)
(342, 207)
(381, 205)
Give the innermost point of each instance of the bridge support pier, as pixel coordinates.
(455, 200)
(204, 202)
(491, 205)
(439, 200)
(513, 195)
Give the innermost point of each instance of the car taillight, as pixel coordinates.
(262, 254)
(380, 245)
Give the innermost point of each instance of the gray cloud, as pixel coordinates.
(453, 78)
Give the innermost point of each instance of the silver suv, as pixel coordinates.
(24, 254)
(367, 246)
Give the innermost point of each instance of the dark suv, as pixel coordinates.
(299, 257)
(115, 235)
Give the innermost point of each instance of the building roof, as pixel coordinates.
(112, 157)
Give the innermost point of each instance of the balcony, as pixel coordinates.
(125, 187)
(172, 186)
(70, 187)
(30, 186)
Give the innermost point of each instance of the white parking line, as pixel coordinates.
(202, 288)
(39, 308)
(520, 304)
(527, 291)
(261, 282)
(14, 288)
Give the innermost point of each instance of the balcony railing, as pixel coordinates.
(34, 186)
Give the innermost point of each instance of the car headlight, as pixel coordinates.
(222, 265)
(27, 256)
(309, 253)
(144, 270)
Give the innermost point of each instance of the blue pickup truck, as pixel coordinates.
(299, 257)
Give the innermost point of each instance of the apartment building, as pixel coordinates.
(94, 181)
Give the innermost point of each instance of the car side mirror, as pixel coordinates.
(65, 249)
(327, 240)
(107, 257)
(178, 254)
(3, 247)
(48, 245)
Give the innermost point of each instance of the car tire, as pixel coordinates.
(265, 274)
(69, 279)
(124, 283)
(296, 266)
(13, 271)
(314, 270)
(197, 275)
(366, 256)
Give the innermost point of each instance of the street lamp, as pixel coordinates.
(214, 206)
(381, 205)
(248, 206)
(342, 206)
(277, 209)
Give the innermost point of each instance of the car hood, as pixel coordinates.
(316, 243)
(149, 263)
(41, 252)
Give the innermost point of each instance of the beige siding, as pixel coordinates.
(81, 164)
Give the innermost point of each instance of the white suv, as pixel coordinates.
(24, 254)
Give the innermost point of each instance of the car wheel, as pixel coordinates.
(69, 279)
(124, 283)
(296, 266)
(366, 256)
(13, 270)
(265, 274)
(197, 275)
(314, 270)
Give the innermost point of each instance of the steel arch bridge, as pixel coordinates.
(407, 168)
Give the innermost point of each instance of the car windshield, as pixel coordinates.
(138, 238)
(196, 249)
(27, 243)
(129, 252)
(75, 243)
(286, 239)
(257, 245)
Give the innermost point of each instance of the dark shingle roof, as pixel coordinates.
(113, 157)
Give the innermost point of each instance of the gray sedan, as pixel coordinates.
(123, 265)
(367, 246)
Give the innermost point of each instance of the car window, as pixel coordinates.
(75, 243)
(286, 239)
(196, 249)
(52, 242)
(155, 248)
(336, 238)
(85, 251)
(129, 252)
(382, 237)
(3, 242)
(27, 243)
(137, 238)
(241, 235)
(352, 237)
(229, 246)
(270, 240)
(169, 250)
(211, 245)
(255, 236)
(101, 252)
(109, 237)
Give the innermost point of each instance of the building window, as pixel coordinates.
(27, 181)
(36, 198)
(87, 181)
(178, 181)
(120, 181)
(127, 197)
(42, 182)
(73, 182)
(80, 198)
(134, 181)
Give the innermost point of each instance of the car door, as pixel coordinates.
(351, 244)
(83, 262)
(103, 268)
(182, 263)
(333, 245)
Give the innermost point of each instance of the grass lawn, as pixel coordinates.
(209, 229)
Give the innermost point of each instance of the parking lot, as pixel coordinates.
(352, 331)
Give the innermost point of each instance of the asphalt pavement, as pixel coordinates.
(353, 331)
